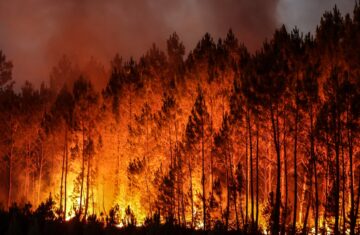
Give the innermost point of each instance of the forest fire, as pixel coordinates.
(221, 140)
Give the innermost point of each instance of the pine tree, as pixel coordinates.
(196, 134)
(272, 70)
(224, 151)
(85, 99)
(62, 112)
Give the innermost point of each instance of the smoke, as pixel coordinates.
(34, 34)
(306, 14)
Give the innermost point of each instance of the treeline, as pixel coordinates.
(45, 220)
(224, 138)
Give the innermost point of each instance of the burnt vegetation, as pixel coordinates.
(220, 141)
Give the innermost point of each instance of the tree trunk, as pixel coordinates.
(337, 179)
(203, 173)
(251, 170)
(295, 170)
(10, 173)
(276, 212)
(180, 177)
(233, 191)
(257, 178)
(147, 172)
(66, 170)
(27, 172)
(304, 229)
(302, 200)
(343, 189)
(228, 192)
(117, 167)
(177, 181)
(326, 178)
(211, 146)
(40, 173)
(170, 148)
(313, 157)
(236, 210)
(87, 183)
(351, 175)
(316, 199)
(246, 182)
(82, 168)
(283, 227)
(357, 204)
(191, 196)
(62, 178)
(241, 210)
(178, 188)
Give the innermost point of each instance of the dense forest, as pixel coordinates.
(216, 139)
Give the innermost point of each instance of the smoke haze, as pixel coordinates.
(306, 14)
(34, 34)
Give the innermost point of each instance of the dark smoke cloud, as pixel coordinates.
(35, 33)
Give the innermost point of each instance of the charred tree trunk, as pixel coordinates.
(317, 203)
(117, 166)
(191, 195)
(62, 177)
(177, 178)
(284, 215)
(211, 146)
(233, 189)
(295, 169)
(41, 162)
(66, 170)
(87, 185)
(170, 148)
(203, 173)
(228, 192)
(246, 182)
(314, 160)
(82, 169)
(257, 178)
(180, 179)
(356, 206)
(337, 166)
(251, 168)
(240, 208)
(27, 172)
(343, 189)
(326, 179)
(11, 153)
(304, 229)
(275, 127)
(147, 171)
(351, 175)
(236, 209)
(178, 192)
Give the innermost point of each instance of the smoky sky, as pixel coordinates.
(306, 14)
(34, 34)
